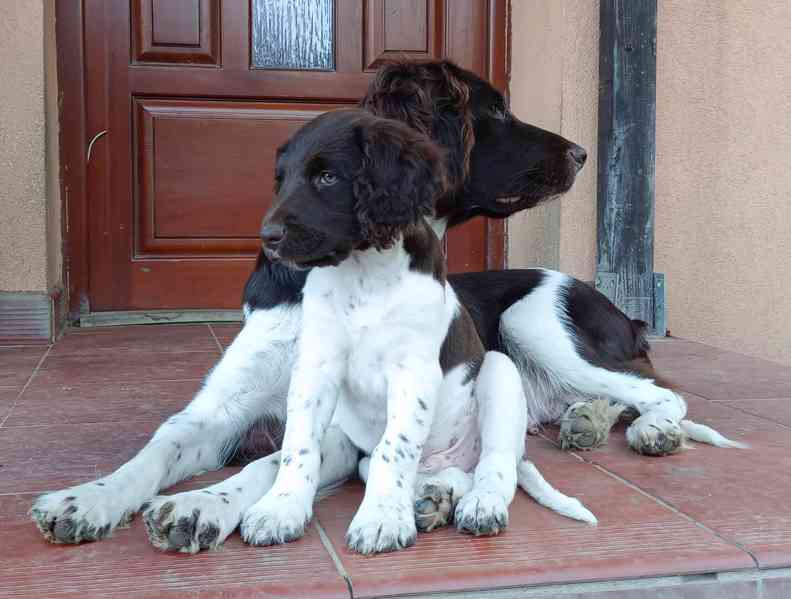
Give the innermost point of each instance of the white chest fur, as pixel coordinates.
(372, 315)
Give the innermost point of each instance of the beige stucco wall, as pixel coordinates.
(29, 208)
(554, 84)
(723, 189)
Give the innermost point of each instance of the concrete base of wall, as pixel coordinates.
(31, 317)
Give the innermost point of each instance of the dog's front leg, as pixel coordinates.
(385, 521)
(282, 514)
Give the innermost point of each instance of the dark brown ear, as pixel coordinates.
(432, 98)
(402, 175)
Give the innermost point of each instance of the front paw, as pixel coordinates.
(655, 435)
(87, 512)
(191, 521)
(481, 513)
(276, 519)
(384, 526)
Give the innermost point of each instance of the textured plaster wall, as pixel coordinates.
(723, 205)
(554, 84)
(23, 149)
(723, 188)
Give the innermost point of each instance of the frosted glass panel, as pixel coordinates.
(292, 34)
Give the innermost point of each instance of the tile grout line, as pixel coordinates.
(336, 559)
(27, 384)
(761, 417)
(214, 336)
(667, 505)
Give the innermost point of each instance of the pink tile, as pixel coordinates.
(8, 396)
(143, 338)
(36, 459)
(127, 565)
(126, 367)
(101, 402)
(740, 494)
(17, 364)
(226, 333)
(636, 537)
(776, 410)
(719, 374)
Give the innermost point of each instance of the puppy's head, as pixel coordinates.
(349, 180)
(497, 164)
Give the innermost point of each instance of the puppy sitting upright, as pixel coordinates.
(386, 352)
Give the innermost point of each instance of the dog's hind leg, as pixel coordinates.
(437, 495)
(502, 425)
(250, 382)
(203, 519)
(568, 341)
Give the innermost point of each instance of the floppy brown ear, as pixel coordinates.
(432, 98)
(402, 176)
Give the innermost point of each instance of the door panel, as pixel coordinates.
(185, 32)
(196, 95)
(204, 169)
(402, 29)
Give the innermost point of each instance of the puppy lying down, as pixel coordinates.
(388, 358)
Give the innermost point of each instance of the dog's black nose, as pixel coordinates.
(578, 155)
(272, 234)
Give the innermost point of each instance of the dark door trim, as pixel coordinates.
(627, 153)
(73, 150)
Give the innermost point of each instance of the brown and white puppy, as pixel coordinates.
(387, 354)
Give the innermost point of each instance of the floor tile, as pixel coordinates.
(636, 537)
(144, 338)
(44, 404)
(719, 374)
(226, 332)
(776, 410)
(127, 367)
(8, 396)
(17, 364)
(740, 494)
(45, 458)
(127, 565)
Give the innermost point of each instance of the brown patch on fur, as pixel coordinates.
(462, 344)
(430, 97)
(425, 251)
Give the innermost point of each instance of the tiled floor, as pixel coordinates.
(702, 524)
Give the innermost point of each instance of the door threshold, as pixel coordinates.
(119, 318)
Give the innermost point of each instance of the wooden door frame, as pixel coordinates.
(75, 142)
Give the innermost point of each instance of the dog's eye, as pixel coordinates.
(326, 178)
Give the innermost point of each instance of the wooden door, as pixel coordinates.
(186, 101)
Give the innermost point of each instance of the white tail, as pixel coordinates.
(530, 479)
(705, 434)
